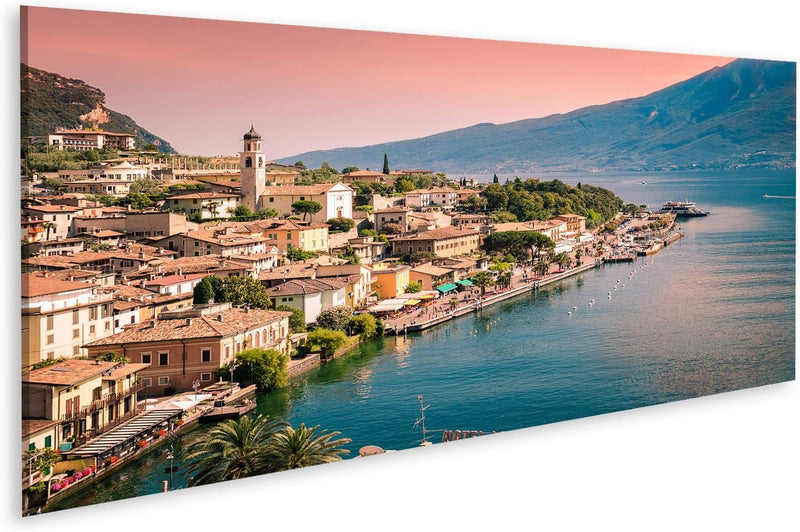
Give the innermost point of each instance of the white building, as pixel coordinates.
(440, 196)
(309, 295)
(208, 205)
(59, 316)
(123, 171)
(336, 198)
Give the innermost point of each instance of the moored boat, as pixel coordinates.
(682, 209)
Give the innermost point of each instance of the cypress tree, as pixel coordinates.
(385, 164)
(495, 180)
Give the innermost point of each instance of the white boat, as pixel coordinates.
(682, 208)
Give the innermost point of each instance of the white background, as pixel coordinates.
(721, 462)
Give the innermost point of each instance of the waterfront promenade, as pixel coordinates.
(449, 307)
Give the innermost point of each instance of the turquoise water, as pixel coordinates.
(713, 312)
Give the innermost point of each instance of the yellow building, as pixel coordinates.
(390, 280)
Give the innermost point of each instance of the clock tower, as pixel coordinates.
(253, 173)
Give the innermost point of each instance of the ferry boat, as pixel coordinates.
(682, 208)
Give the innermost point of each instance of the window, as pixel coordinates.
(205, 355)
(93, 312)
(107, 326)
(50, 339)
(50, 322)
(163, 359)
(196, 243)
(92, 329)
(48, 441)
(116, 324)
(147, 381)
(76, 333)
(272, 200)
(104, 312)
(146, 358)
(205, 377)
(76, 350)
(163, 381)
(97, 393)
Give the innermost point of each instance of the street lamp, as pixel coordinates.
(231, 367)
(195, 386)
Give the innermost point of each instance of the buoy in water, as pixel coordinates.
(569, 313)
(574, 308)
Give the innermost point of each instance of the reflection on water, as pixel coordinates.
(713, 312)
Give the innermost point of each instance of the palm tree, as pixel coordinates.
(504, 279)
(542, 267)
(482, 280)
(561, 259)
(578, 255)
(48, 226)
(233, 449)
(292, 448)
(453, 302)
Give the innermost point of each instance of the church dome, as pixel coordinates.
(252, 134)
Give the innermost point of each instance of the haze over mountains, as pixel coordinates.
(738, 115)
(49, 100)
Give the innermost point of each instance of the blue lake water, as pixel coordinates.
(713, 312)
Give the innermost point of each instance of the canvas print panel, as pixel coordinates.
(217, 285)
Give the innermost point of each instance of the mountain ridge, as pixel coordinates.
(738, 115)
(49, 100)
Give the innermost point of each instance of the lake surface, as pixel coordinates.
(713, 312)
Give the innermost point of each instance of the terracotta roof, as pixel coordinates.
(300, 190)
(69, 372)
(30, 426)
(203, 263)
(86, 257)
(40, 284)
(439, 234)
(122, 291)
(393, 209)
(106, 233)
(364, 173)
(203, 195)
(304, 286)
(430, 269)
(233, 321)
(298, 270)
(174, 279)
(53, 208)
(123, 371)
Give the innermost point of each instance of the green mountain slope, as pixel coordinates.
(49, 101)
(738, 115)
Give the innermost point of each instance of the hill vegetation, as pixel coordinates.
(49, 101)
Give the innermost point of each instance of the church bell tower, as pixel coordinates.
(253, 173)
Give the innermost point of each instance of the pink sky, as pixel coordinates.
(199, 84)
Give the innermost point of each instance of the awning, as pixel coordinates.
(464, 282)
(412, 302)
(388, 305)
(426, 296)
(449, 287)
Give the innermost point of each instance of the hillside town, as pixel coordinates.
(146, 280)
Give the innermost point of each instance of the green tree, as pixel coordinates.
(299, 164)
(495, 180)
(349, 169)
(297, 321)
(297, 254)
(292, 448)
(413, 287)
(579, 255)
(48, 226)
(364, 325)
(111, 356)
(482, 280)
(268, 213)
(40, 460)
(542, 267)
(340, 224)
(242, 211)
(326, 340)
(54, 184)
(385, 164)
(236, 448)
(404, 185)
(335, 318)
(266, 368)
(501, 217)
(137, 200)
(496, 197)
(242, 290)
(306, 207)
(561, 259)
(204, 291)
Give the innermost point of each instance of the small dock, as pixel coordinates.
(231, 406)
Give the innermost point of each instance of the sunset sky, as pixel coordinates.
(199, 84)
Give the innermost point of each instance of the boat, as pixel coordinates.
(682, 209)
